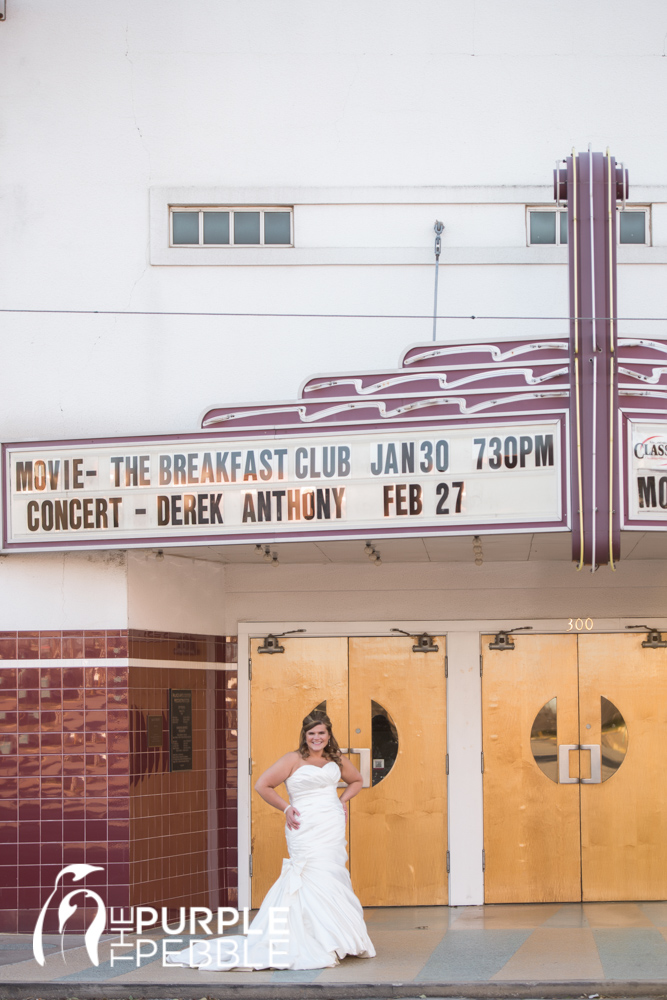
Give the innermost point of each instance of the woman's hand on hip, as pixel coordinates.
(291, 818)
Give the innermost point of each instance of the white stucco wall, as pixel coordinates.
(372, 120)
(104, 103)
(175, 594)
(63, 590)
(443, 591)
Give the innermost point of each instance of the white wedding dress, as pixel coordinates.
(324, 920)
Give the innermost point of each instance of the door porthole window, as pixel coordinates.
(384, 743)
(614, 738)
(543, 740)
(230, 226)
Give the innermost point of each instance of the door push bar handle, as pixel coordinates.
(596, 764)
(564, 764)
(365, 763)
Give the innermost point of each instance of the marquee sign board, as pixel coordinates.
(645, 446)
(496, 475)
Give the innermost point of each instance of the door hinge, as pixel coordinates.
(446, 763)
(446, 666)
(448, 862)
(250, 669)
(250, 765)
(250, 859)
(482, 762)
(481, 665)
(483, 860)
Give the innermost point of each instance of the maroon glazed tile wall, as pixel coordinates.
(118, 643)
(226, 725)
(74, 761)
(182, 646)
(64, 781)
(183, 823)
(64, 645)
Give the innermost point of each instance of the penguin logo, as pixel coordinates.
(65, 911)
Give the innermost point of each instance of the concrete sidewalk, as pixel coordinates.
(546, 950)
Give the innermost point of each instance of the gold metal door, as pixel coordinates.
(285, 687)
(531, 822)
(394, 700)
(624, 813)
(398, 826)
(575, 808)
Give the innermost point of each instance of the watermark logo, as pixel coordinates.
(204, 950)
(65, 910)
(198, 922)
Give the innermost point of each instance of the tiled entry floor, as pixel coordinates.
(593, 943)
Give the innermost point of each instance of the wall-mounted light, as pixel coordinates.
(267, 555)
(372, 553)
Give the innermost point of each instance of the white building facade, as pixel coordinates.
(207, 210)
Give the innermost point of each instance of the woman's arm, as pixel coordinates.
(349, 773)
(265, 786)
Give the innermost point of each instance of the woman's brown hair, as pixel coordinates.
(317, 718)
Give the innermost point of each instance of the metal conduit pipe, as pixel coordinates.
(577, 389)
(594, 348)
(611, 365)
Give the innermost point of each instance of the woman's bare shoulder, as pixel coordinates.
(289, 761)
(279, 770)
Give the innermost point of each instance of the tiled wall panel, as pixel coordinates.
(66, 645)
(74, 762)
(64, 784)
(183, 823)
(182, 647)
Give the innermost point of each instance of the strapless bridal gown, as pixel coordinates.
(324, 918)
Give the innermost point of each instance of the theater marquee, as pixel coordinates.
(645, 478)
(496, 476)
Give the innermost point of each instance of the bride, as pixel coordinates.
(311, 908)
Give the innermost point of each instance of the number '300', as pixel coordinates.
(579, 624)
